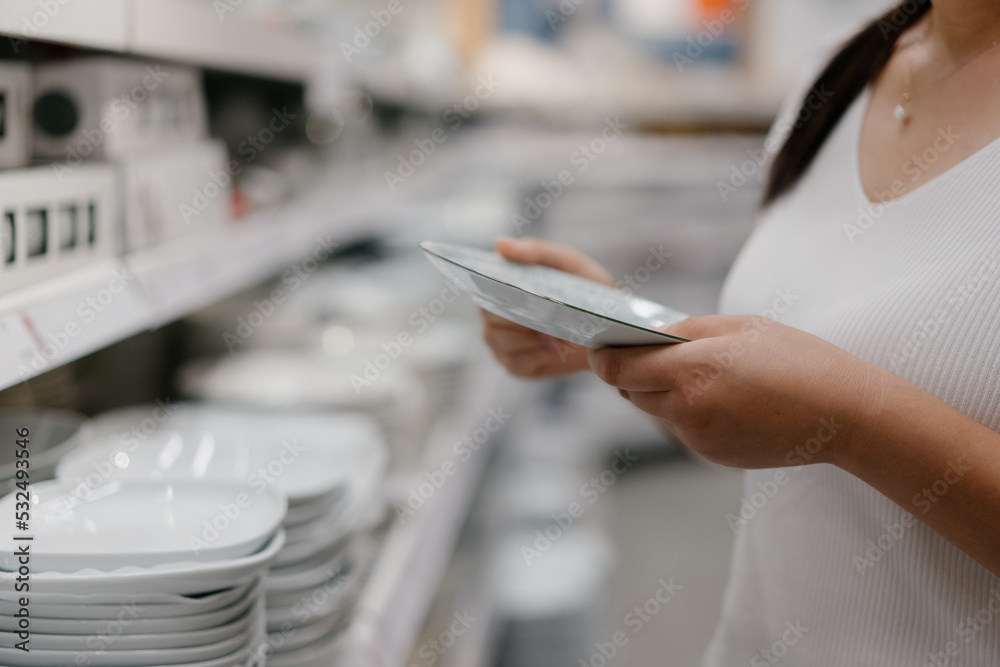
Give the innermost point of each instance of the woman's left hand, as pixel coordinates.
(748, 391)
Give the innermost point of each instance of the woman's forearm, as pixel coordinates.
(932, 460)
(748, 392)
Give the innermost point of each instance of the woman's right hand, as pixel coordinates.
(526, 352)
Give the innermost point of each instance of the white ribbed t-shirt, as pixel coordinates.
(826, 570)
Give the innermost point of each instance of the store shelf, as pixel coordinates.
(72, 315)
(189, 31)
(101, 24)
(194, 32)
(415, 555)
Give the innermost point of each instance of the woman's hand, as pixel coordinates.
(753, 393)
(525, 352)
(748, 391)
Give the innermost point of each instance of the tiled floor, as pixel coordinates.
(668, 520)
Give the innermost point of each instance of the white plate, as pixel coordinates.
(112, 611)
(111, 641)
(277, 378)
(321, 654)
(326, 537)
(140, 524)
(138, 625)
(341, 585)
(302, 452)
(108, 605)
(318, 528)
(126, 658)
(568, 579)
(306, 610)
(554, 302)
(186, 578)
(306, 579)
(241, 658)
(322, 558)
(307, 634)
(367, 465)
(301, 513)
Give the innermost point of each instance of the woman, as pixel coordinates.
(868, 418)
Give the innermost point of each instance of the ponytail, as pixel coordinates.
(847, 75)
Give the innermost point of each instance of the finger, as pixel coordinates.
(535, 251)
(656, 403)
(508, 341)
(532, 364)
(709, 326)
(498, 322)
(651, 368)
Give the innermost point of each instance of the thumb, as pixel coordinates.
(707, 326)
(530, 250)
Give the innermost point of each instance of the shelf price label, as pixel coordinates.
(17, 349)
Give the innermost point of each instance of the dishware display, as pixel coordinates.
(107, 606)
(126, 587)
(139, 524)
(302, 453)
(553, 607)
(311, 379)
(216, 642)
(185, 578)
(554, 302)
(329, 465)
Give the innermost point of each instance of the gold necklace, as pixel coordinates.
(900, 111)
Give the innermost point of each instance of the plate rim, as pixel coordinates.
(424, 246)
(276, 498)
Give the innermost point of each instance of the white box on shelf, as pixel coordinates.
(106, 107)
(15, 114)
(50, 223)
(174, 190)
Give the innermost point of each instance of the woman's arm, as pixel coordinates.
(936, 463)
(752, 393)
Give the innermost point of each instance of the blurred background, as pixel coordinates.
(220, 201)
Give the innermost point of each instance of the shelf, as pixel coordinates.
(193, 32)
(72, 315)
(189, 31)
(409, 569)
(101, 24)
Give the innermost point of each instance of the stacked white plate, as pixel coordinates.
(137, 574)
(329, 465)
(51, 433)
(312, 378)
(555, 608)
(441, 356)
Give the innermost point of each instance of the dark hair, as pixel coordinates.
(857, 64)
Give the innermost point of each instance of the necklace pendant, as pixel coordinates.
(899, 111)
